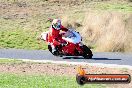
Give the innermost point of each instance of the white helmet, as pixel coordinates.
(56, 23)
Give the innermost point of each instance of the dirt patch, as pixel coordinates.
(62, 69)
(57, 69)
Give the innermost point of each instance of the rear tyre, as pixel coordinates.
(87, 52)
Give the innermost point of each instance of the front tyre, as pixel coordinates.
(87, 53)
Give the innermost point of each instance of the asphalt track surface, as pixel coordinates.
(98, 57)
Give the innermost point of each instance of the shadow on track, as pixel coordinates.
(73, 58)
(89, 59)
(104, 59)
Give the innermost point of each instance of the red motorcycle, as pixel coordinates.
(73, 47)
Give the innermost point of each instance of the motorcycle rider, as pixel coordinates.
(54, 36)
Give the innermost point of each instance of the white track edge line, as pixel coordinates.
(81, 63)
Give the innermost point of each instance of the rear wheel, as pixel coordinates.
(87, 52)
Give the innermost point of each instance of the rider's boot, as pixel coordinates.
(55, 52)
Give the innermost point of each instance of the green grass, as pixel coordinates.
(119, 7)
(41, 81)
(22, 39)
(10, 61)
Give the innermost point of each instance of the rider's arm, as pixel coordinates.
(63, 28)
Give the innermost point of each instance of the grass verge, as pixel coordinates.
(12, 80)
(47, 75)
(20, 39)
(118, 7)
(41, 81)
(10, 61)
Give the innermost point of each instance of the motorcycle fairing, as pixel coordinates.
(72, 37)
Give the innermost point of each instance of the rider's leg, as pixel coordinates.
(53, 48)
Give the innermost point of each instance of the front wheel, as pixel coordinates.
(87, 53)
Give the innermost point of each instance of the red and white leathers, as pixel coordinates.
(54, 36)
